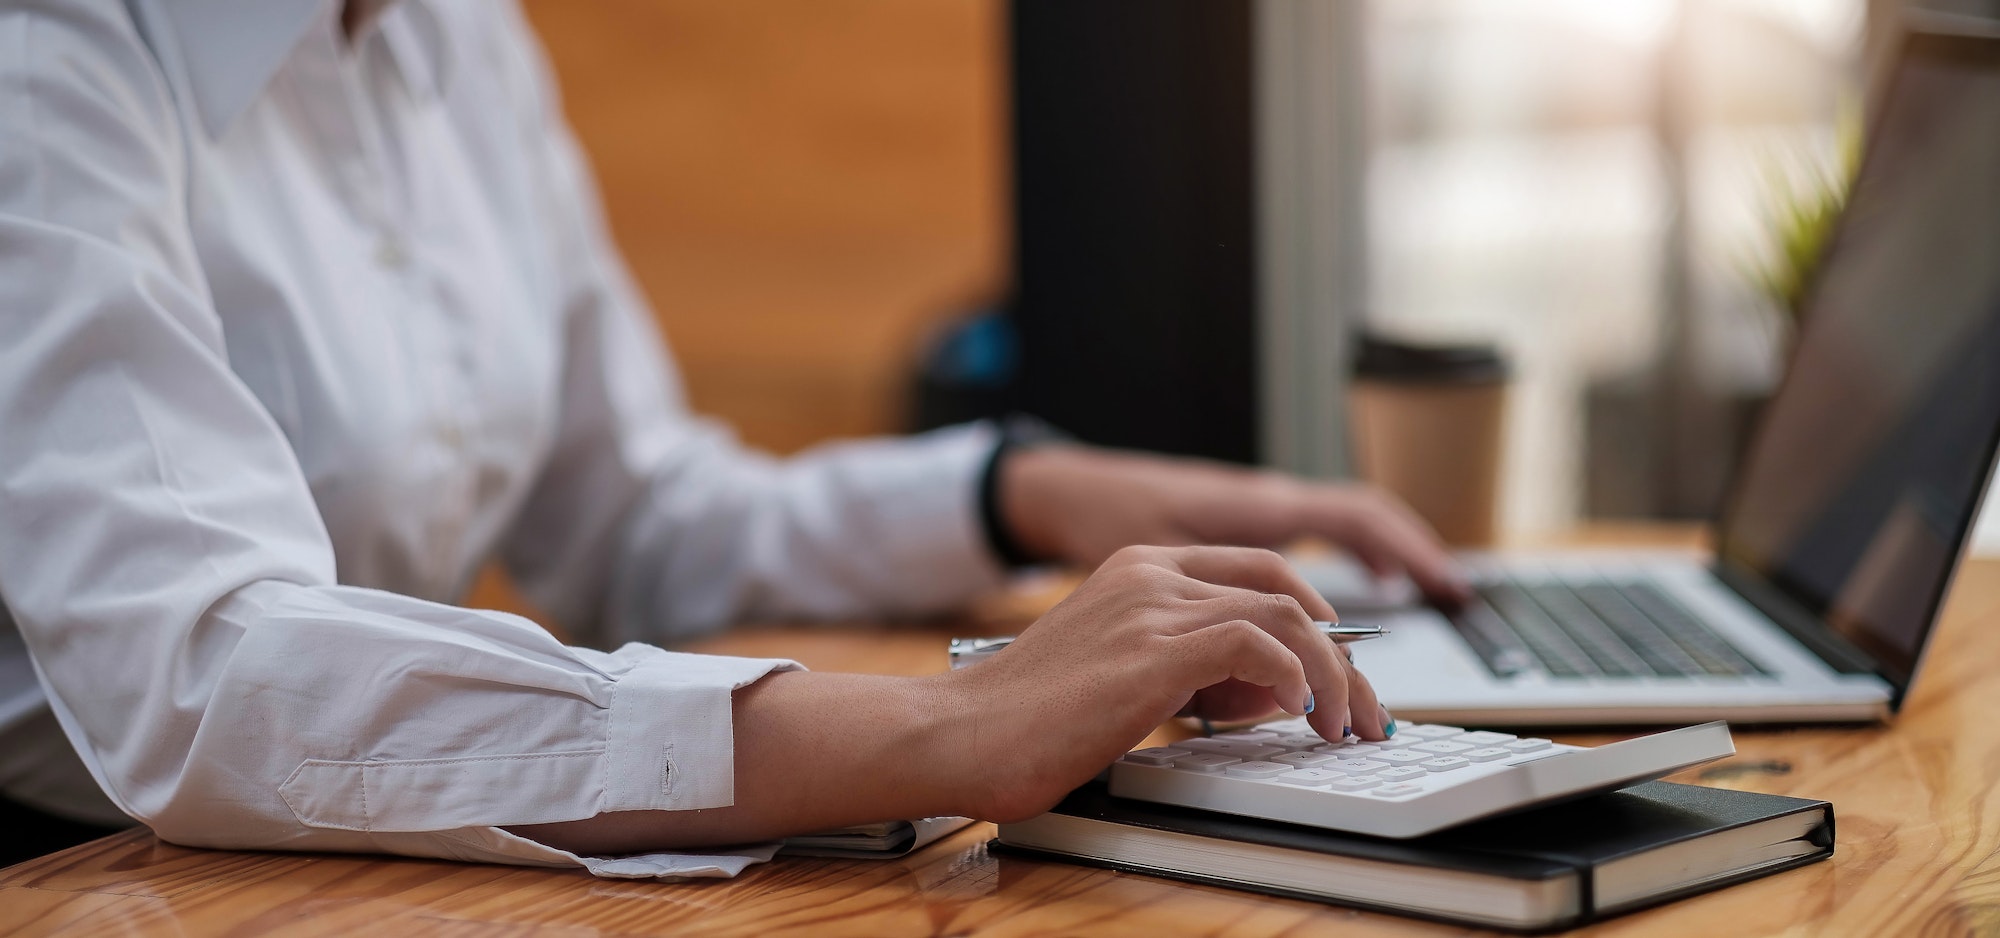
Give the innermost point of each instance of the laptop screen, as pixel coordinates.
(1857, 491)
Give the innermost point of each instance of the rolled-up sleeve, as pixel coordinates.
(163, 558)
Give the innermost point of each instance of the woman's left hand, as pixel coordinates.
(1079, 505)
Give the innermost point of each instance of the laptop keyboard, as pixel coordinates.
(1594, 628)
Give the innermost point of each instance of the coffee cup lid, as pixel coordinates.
(1382, 359)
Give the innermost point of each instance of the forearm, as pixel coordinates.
(814, 751)
(1003, 740)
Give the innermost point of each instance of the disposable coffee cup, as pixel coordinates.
(1427, 426)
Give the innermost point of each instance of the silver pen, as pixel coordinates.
(965, 651)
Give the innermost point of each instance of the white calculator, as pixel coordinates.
(1424, 779)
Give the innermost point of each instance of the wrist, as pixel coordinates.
(1028, 486)
(882, 746)
(1010, 508)
(981, 753)
(959, 740)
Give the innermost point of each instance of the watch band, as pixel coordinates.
(1017, 432)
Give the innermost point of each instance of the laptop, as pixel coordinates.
(1849, 510)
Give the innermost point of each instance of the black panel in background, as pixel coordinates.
(1136, 269)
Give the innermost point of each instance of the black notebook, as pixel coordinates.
(1547, 868)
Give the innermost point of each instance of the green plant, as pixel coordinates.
(1808, 195)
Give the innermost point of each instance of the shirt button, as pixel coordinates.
(390, 253)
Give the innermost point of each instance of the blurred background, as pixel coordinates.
(1164, 224)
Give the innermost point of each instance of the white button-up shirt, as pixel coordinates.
(294, 334)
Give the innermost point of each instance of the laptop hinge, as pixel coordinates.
(1838, 653)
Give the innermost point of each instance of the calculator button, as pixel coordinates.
(1311, 778)
(1355, 766)
(1430, 731)
(1207, 763)
(1399, 741)
(1403, 756)
(1248, 736)
(1401, 773)
(1442, 747)
(1230, 747)
(1293, 725)
(1304, 760)
(1443, 764)
(1398, 790)
(1295, 741)
(1484, 738)
(1526, 745)
(1160, 755)
(1349, 750)
(1354, 782)
(1257, 769)
(1488, 754)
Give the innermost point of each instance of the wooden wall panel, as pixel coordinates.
(801, 186)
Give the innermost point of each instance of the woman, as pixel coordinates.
(305, 312)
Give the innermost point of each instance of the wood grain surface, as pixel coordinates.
(1919, 826)
(804, 189)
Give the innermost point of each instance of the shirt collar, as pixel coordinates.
(231, 48)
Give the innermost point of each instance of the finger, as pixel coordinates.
(1250, 568)
(1389, 538)
(1281, 616)
(1232, 702)
(1365, 713)
(1241, 650)
(1260, 586)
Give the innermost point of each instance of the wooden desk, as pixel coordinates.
(1919, 821)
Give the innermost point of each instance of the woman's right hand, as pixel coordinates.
(1219, 632)
(1222, 632)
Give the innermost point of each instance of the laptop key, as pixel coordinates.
(1655, 647)
(1588, 631)
(1714, 653)
(1557, 651)
(1489, 637)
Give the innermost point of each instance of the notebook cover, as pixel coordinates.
(1553, 841)
(1199, 879)
(1590, 831)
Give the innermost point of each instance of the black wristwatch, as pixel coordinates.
(1017, 432)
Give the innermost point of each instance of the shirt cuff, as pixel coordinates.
(670, 746)
(671, 741)
(918, 546)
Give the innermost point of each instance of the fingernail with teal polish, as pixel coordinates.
(1346, 731)
(1309, 701)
